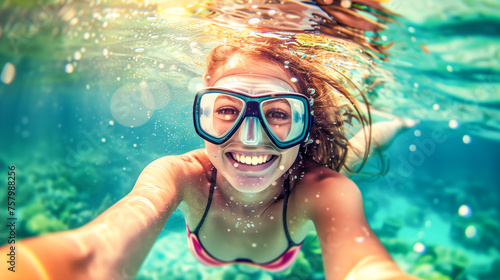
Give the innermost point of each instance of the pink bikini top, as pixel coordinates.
(280, 263)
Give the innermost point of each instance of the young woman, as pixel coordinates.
(267, 177)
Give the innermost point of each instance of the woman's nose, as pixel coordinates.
(252, 132)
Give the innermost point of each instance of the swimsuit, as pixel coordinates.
(281, 263)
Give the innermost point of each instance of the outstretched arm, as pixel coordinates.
(349, 248)
(113, 245)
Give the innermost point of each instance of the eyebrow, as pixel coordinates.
(281, 100)
(228, 98)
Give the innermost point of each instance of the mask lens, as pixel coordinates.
(219, 113)
(284, 117)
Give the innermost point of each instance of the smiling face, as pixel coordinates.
(249, 160)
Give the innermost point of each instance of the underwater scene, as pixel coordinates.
(93, 91)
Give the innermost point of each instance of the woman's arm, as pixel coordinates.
(113, 245)
(350, 249)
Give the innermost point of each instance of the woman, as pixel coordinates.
(268, 176)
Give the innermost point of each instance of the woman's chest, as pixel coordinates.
(229, 232)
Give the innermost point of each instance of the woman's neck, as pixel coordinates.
(251, 202)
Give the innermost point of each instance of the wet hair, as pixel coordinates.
(332, 103)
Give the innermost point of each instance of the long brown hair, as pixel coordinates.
(332, 103)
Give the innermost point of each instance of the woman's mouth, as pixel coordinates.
(251, 163)
(251, 160)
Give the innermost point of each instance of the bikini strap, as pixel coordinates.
(286, 185)
(210, 195)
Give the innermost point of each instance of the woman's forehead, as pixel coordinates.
(254, 84)
(252, 66)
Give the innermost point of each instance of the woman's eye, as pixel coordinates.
(227, 111)
(277, 115)
(227, 114)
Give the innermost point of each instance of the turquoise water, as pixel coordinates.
(75, 152)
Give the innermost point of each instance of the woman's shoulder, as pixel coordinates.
(322, 187)
(318, 176)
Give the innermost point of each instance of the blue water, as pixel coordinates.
(75, 155)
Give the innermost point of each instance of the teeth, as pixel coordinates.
(255, 160)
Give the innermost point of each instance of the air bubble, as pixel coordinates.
(345, 4)
(419, 247)
(77, 55)
(359, 239)
(8, 73)
(69, 68)
(470, 231)
(465, 211)
(453, 124)
(254, 20)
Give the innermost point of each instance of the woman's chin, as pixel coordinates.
(250, 184)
